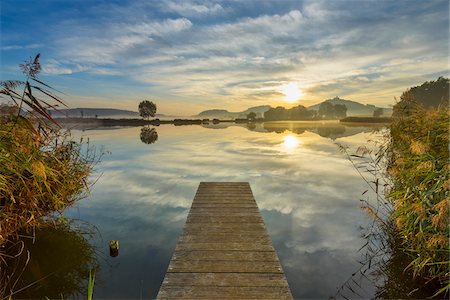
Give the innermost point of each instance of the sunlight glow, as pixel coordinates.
(291, 142)
(291, 92)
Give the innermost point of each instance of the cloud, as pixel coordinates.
(54, 67)
(190, 9)
(314, 230)
(20, 47)
(200, 51)
(160, 28)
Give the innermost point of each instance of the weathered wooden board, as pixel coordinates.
(224, 251)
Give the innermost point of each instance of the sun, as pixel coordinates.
(291, 92)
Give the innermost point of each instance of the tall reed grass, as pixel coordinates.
(407, 243)
(419, 167)
(42, 171)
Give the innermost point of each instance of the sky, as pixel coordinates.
(189, 56)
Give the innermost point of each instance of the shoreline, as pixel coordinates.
(181, 122)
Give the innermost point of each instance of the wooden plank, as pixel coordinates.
(228, 279)
(229, 246)
(195, 266)
(224, 238)
(224, 251)
(223, 219)
(225, 255)
(225, 292)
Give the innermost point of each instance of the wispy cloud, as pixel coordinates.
(20, 47)
(192, 9)
(200, 51)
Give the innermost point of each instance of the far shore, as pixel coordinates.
(180, 122)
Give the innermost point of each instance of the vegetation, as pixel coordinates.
(418, 165)
(407, 244)
(41, 170)
(330, 111)
(251, 116)
(147, 109)
(429, 94)
(326, 111)
(378, 112)
(412, 226)
(296, 113)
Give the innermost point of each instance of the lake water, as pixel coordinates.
(307, 191)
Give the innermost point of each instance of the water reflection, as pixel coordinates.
(148, 135)
(54, 264)
(308, 197)
(290, 142)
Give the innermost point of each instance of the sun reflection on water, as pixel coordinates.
(291, 142)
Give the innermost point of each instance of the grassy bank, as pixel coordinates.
(42, 171)
(418, 167)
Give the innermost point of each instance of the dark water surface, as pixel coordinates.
(307, 191)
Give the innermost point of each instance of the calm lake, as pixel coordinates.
(307, 190)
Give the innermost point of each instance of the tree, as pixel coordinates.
(326, 111)
(429, 94)
(378, 112)
(340, 111)
(299, 113)
(274, 114)
(147, 109)
(251, 116)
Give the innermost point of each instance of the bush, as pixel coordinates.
(38, 175)
(41, 170)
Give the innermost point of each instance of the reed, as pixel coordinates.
(42, 171)
(407, 242)
(419, 168)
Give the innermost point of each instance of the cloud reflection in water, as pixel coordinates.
(306, 189)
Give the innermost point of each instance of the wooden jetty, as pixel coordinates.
(224, 251)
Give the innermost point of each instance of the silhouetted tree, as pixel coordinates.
(148, 135)
(251, 116)
(326, 110)
(147, 109)
(278, 113)
(340, 111)
(429, 94)
(299, 113)
(296, 113)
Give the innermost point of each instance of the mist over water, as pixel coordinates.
(306, 189)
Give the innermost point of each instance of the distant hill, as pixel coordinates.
(225, 114)
(354, 108)
(96, 113)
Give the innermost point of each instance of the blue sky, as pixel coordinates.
(188, 56)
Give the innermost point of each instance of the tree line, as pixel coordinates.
(326, 111)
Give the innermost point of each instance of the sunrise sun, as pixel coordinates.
(292, 92)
